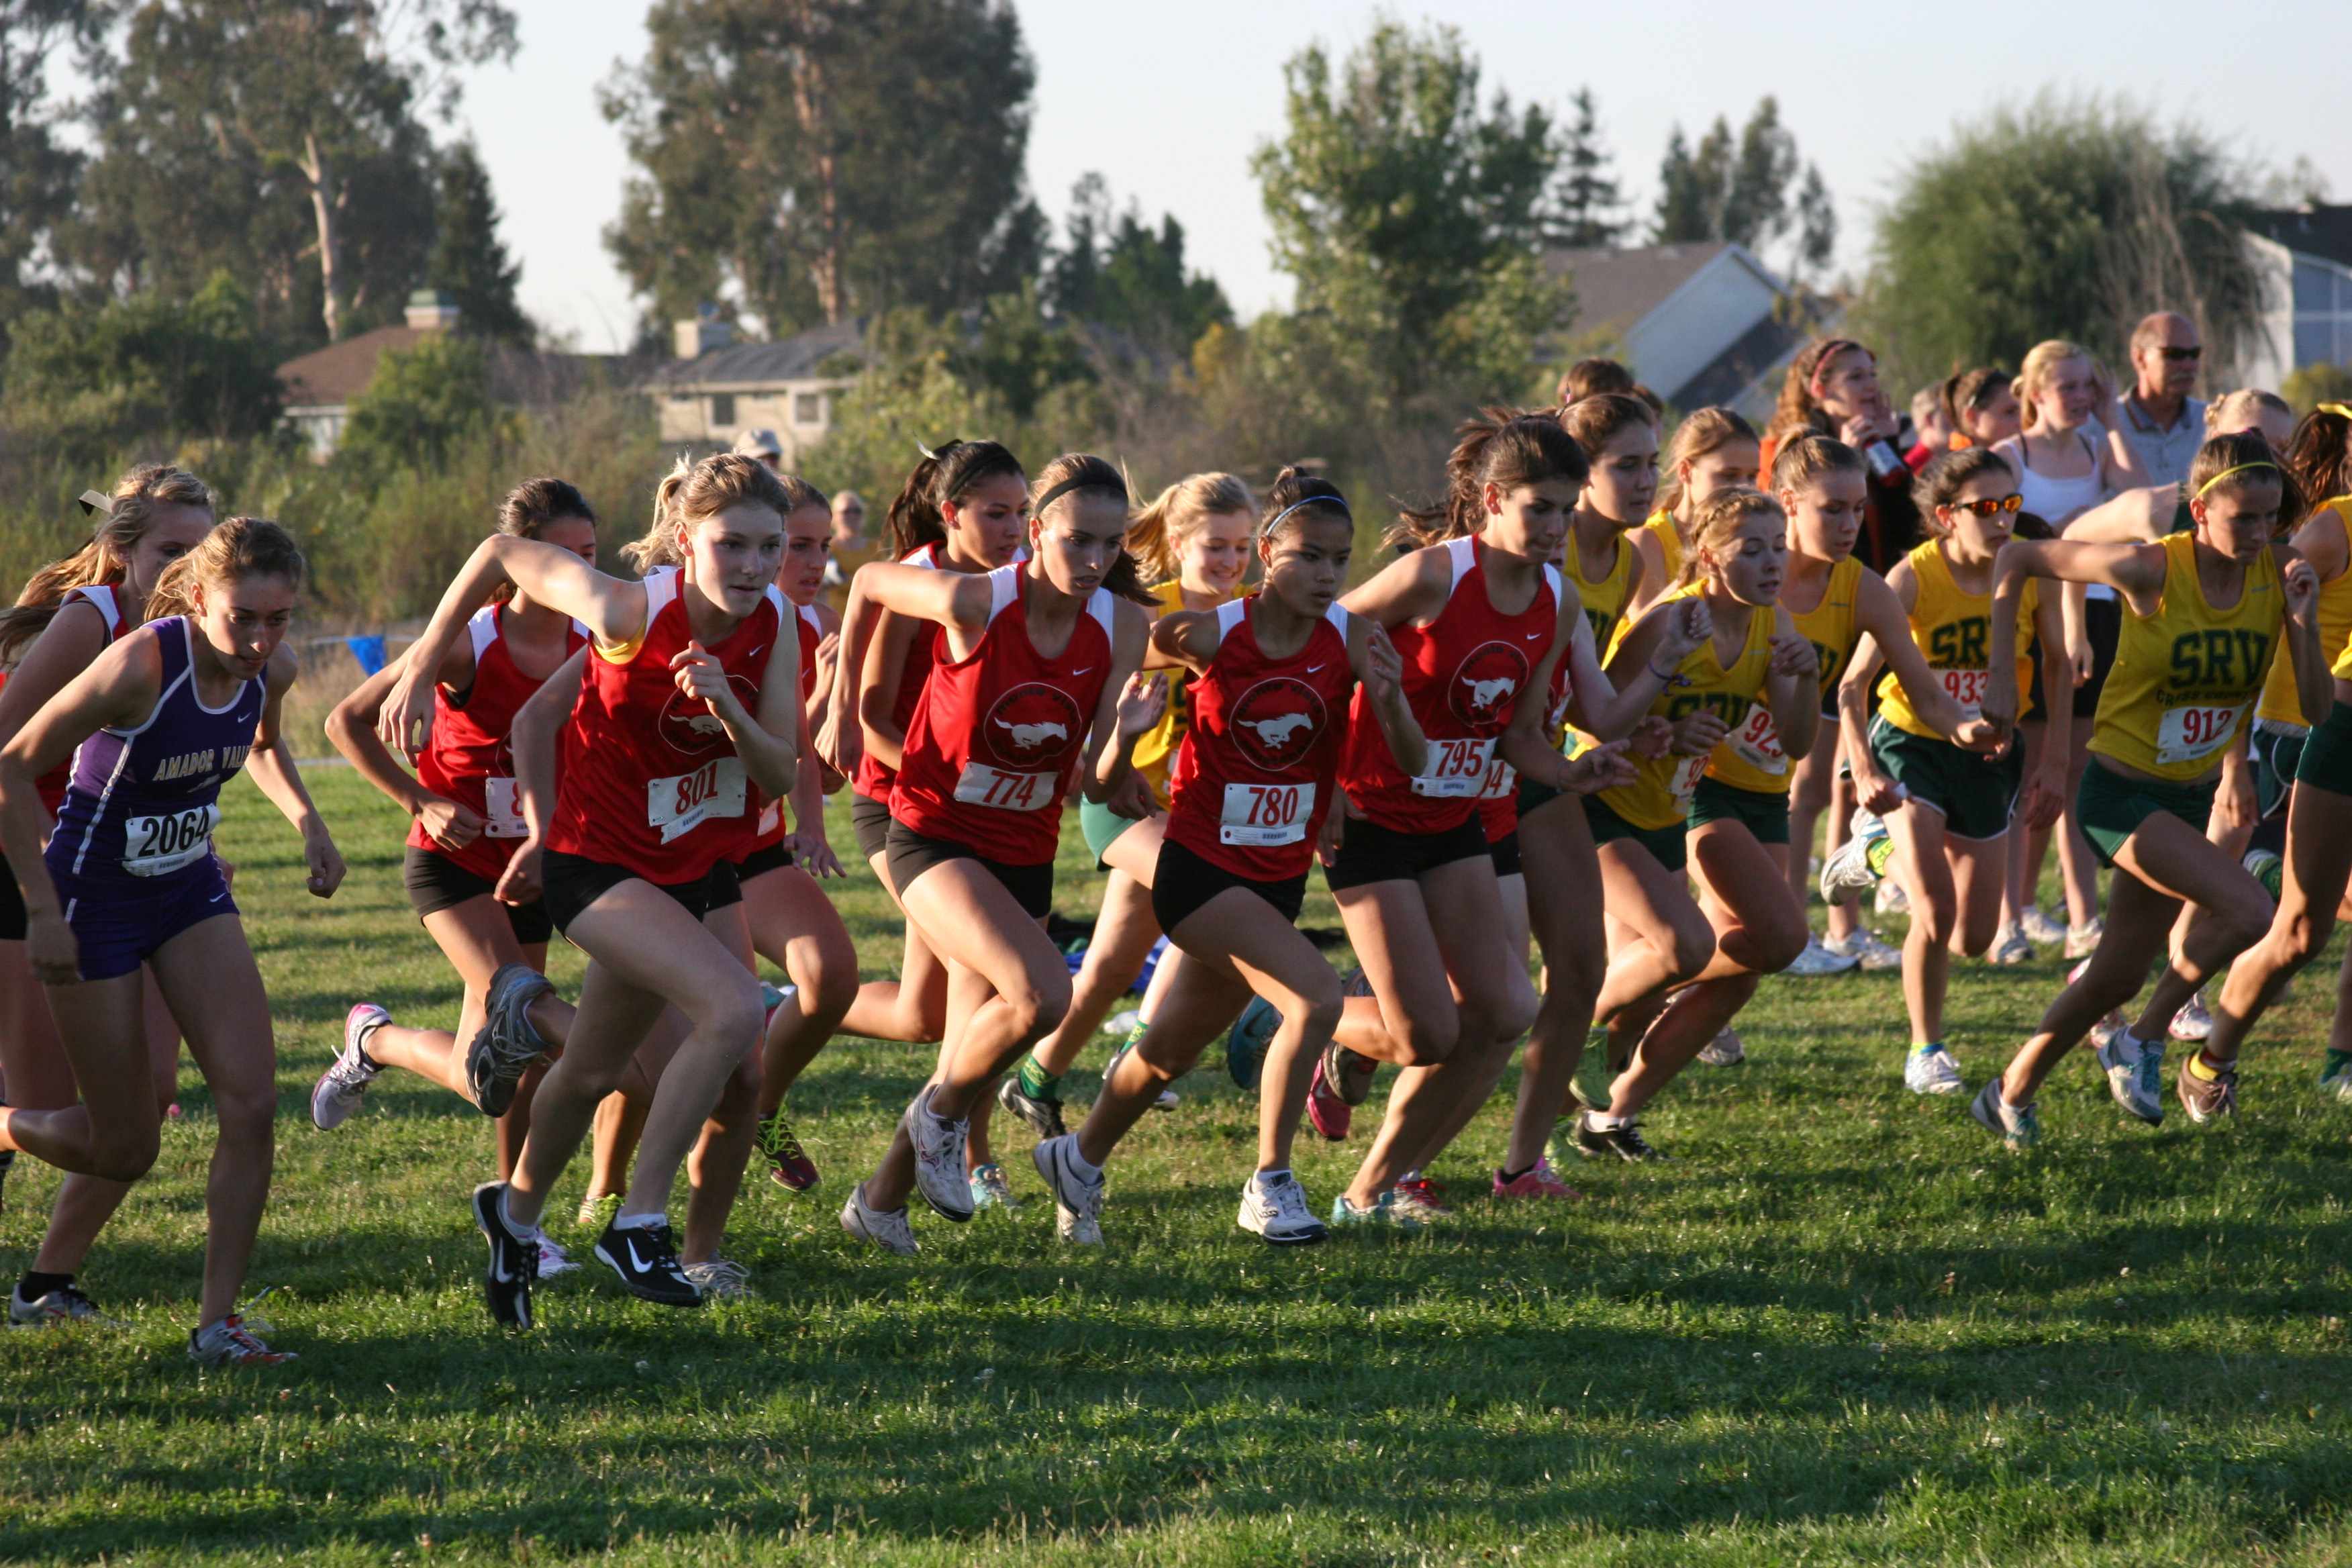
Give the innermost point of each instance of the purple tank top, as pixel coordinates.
(143, 802)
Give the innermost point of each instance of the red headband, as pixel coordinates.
(1829, 351)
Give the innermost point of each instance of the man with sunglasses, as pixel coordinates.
(2156, 423)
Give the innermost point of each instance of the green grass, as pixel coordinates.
(1842, 1328)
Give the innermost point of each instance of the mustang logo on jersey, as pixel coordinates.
(693, 731)
(1485, 683)
(1276, 723)
(1031, 725)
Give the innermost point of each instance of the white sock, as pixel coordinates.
(1602, 1121)
(1279, 1173)
(639, 1221)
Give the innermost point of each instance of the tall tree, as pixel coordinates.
(1121, 273)
(821, 159)
(1751, 189)
(37, 169)
(469, 262)
(1587, 205)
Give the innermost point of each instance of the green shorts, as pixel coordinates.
(2109, 807)
(1974, 793)
(1664, 844)
(1101, 826)
(2275, 751)
(1766, 812)
(2327, 760)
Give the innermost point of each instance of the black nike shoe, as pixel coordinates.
(1624, 1142)
(514, 1260)
(1042, 1112)
(646, 1261)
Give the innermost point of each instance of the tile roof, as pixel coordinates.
(795, 358)
(336, 373)
(1618, 288)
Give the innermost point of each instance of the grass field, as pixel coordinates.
(1843, 1327)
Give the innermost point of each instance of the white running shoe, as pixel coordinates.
(2039, 928)
(2083, 940)
(2010, 947)
(1077, 1197)
(1819, 959)
(338, 1092)
(1930, 1070)
(2135, 1070)
(1848, 869)
(1892, 900)
(720, 1276)
(885, 1228)
(65, 1304)
(233, 1341)
(2193, 1024)
(1865, 948)
(2017, 1126)
(1276, 1210)
(1166, 1100)
(553, 1258)
(1725, 1050)
(939, 1173)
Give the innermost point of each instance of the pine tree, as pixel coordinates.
(469, 262)
(1587, 206)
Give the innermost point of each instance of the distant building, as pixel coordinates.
(319, 385)
(2305, 257)
(717, 387)
(1698, 324)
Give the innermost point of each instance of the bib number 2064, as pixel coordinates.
(155, 845)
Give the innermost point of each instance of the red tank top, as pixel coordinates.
(1498, 803)
(768, 828)
(1463, 675)
(1253, 777)
(874, 776)
(52, 784)
(651, 780)
(469, 758)
(997, 736)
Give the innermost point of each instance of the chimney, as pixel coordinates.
(432, 311)
(705, 332)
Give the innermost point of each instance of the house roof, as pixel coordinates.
(795, 358)
(1619, 288)
(2316, 230)
(1767, 343)
(337, 373)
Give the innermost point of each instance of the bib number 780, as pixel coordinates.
(1261, 815)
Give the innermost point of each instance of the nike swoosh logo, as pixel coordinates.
(216, 898)
(635, 1261)
(1075, 673)
(1313, 668)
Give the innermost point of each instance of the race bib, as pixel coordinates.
(1501, 783)
(1261, 815)
(157, 846)
(1967, 688)
(1757, 741)
(503, 809)
(980, 785)
(1457, 769)
(2184, 734)
(1685, 780)
(719, 788)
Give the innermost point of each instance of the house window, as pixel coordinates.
(808, 408)
(722, 408)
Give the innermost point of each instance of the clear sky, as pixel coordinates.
(1168, 101)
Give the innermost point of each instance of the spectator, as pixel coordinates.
(2155, 425)
(848, 549)
(848, 521)
(761, 444)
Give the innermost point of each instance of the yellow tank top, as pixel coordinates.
(1661, 524)
(1603, 597)
(1751, 756)
(1155, 749)
(2185, 677)
(1660, 794)
(1954, 631)
(2280, 704)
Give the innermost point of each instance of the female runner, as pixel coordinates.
(1193, 540)
(1713, 449)
(2207, 611)
(691, 700)
(1982, 407)
(1272, 674)
(68, 614)
(129, 878)
(1033, 688)
(1940, 810)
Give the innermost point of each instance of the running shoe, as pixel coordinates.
(1725, 1050)
(1852, 867)
(514, 1258)
(2267, 868)
(1537, 1182)
(1624, 1140)
(1930, 1070)
(990, 1190)
(2039, 928)
(788, 1163)
(552, 1258)
(2193, 1024)
(1166, 1098)
(65, 1304)
(939, 1173)
(1819, 959)
(505, 1045)
(2011, 947)
(2135, 1070)
(2104, 1031)
(1330, 1115)
(233, 1341)
(597, 1209)
(646, 1258)
(2335, 1075)
(1418, 1197)
(2083, 940)
(338, 1092)
(1865, 948)
(1891, 898)
(2208, 1098)
(1247, 1041)
(2017, 1126)
(720, 1278)
(885, 1228)
(1078, 1197)
(1384, 1212)
(1042, 1112)
(1273, 1209)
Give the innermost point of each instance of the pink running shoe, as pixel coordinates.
(1331, 1115)
(1536, 1182)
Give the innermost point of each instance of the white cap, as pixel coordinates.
(759, 442)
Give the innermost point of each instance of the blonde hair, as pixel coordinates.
(2230, 403)
(2043, 358)
(1156, 534)
(692, 491)
(239, 548)
(1702, 431)
(1716, 520)
(1812, 458)
(130, 513)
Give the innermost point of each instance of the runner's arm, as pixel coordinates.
(273, 770)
